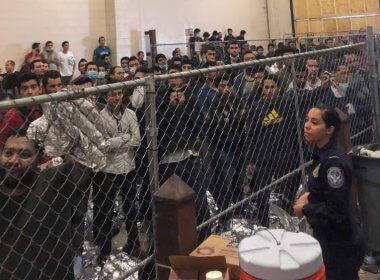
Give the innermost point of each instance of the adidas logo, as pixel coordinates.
(272, 118)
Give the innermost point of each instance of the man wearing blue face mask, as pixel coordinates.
(162, 62)
(92, 70)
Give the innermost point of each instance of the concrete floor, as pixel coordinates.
(369, 276)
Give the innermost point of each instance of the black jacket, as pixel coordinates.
(272, 134)
(179, 127)
(225, 124)
(35, 227)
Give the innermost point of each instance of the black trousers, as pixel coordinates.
(105, 188)
(263, 176)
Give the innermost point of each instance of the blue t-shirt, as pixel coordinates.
(99, 52)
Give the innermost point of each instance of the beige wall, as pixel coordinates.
(23, 22)
(123, 22)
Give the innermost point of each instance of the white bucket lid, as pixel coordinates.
(294, 256)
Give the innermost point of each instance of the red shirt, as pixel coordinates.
(14, 119)
(29, 57)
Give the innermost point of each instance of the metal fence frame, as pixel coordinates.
(149, 81)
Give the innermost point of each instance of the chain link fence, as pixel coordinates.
(79, 167)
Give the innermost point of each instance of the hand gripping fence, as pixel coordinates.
(78, 174)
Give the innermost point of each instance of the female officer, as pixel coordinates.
(327, 205)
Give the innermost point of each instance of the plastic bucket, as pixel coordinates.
(280, 255)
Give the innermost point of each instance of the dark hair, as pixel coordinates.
(175, 59)
(271, 45)
(259, 47)
(300, 65)
(155, 68)
(160, 55)
(209, 48)
(112, 81)
(175, 66)
(329, 116)
(82, 80)
(124, 58)
(229, 29)
(328, 39)
(139, 52)
(143, 69)
(271, 77)
(174, 52)
(224, 77)
(64, 42)
(26, 78)
(215, 33)
(112, 70)
(23, 132)
(242, 32)
(197, 30)
(209, 64)
(233, 42)
(48, 42)
(101, 37)
(206, 34)
(12, 62)
(34, 62)
(285, 49)
(35, 45)
(247, 52)
(104, 56)
(51, 74)
(91, 63)
(82, 60)
(260, 56)
(187, 61)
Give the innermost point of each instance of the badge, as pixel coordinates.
(335, 177)
(316, 171)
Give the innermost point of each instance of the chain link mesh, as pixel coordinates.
(76, 195)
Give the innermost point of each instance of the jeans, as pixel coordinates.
(105, 188)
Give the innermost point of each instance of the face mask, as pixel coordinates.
(92, 74)
(126, 69)
(101, 75)
(132, 70)
(163, 67)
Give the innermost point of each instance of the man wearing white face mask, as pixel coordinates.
(133, 64)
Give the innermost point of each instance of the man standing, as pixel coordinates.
(67, 63)
(34, 54)
(51, 56)
(101, 51)
(119, 173)
(229, 35)
(140, 57)
(193, 40)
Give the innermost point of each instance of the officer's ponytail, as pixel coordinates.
(330, 117)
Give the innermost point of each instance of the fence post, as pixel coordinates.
(299, 126)
(374, 84)
(152, 145)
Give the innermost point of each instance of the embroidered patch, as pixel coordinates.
(335, 177)
(316, 171)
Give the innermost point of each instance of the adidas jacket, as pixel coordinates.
(271, 133)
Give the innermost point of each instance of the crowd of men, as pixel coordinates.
(213, 130)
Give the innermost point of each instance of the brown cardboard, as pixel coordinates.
(194, 268)
(217, 245)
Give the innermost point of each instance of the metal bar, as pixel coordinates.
(299, 126)
(68, 94)
(135, 268)
(152, 132)
(374, 85)
(271, 185)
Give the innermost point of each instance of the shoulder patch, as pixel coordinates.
(335, 177)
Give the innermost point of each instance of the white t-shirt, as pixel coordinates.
(67, 61)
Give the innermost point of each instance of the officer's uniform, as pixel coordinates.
(328, 212)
